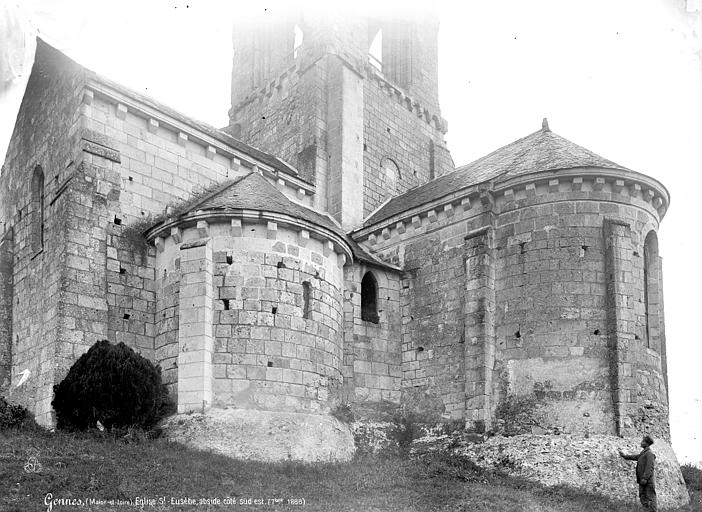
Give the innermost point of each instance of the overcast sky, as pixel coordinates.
(620, 77)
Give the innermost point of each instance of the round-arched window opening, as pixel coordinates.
(369, 299)
(391, 173)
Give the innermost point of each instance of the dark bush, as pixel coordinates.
(405, 430)
(114, 385)
(14, 416)
(692, 476)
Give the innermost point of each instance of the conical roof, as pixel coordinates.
(540, 151)
(254, 192)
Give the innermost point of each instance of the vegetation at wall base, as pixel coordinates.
(113, 385)
(13, 416)
(106, 466)
(693, 477)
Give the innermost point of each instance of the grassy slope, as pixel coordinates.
(80, 466)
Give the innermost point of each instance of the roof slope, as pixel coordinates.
(254, 192)
(540, 151)
(217, 134)
(48, 56)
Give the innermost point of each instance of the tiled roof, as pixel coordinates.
(540, 151)
(217, 134)
(254, 192)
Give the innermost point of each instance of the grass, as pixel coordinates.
(82, 466)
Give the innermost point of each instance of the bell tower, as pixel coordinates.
(351, 101)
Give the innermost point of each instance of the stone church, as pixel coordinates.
(323, 250)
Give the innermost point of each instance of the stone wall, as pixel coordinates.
(276, 324)
(6, 296)
(288, 120)
(140, 163)
(431, 249)
(45, 139)
(537, 313)
(313, 111)
(168, 277)
(372, 351)
(396, 128)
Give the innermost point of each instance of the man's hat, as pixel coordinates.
(648, 439)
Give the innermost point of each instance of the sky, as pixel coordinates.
(620, 77)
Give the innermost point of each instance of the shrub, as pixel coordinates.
(405, 430)
(111, 384)
(692, 476)
(14, 416)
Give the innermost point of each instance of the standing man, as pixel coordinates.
(645, 476)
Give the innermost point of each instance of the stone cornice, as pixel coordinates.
(628, 184)
(188, 132)
(236, 217)
(402, 97)
(281, 81)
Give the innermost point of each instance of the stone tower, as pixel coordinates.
(350, 101)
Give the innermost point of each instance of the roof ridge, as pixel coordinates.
(218, 190)
(484, 157)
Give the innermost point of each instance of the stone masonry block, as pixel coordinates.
(328, 248)
(271, 230)
(152, 126)
(177, 235)
(203, 228)
(121, 111)
(303, 237)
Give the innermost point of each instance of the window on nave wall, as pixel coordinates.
(369, 298)
(392, 176)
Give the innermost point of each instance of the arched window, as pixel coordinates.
(369, 299)
(375, 51)
(652, 291)
(298, 37)
(306, 299)
(37, 210)
(392, 176)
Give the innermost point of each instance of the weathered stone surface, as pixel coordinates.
(591, 464)
(264, 435)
